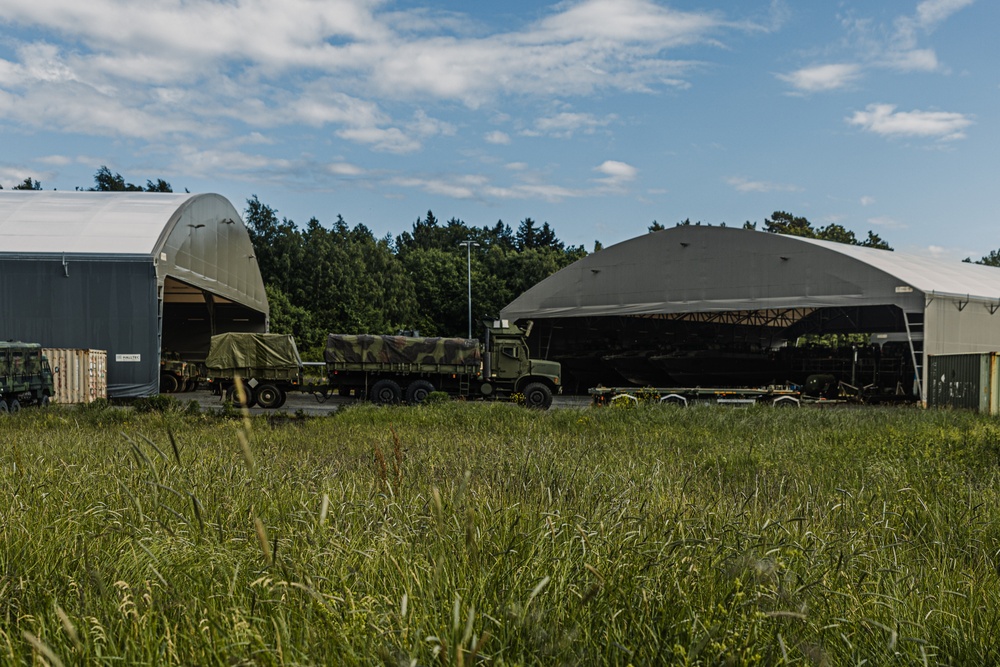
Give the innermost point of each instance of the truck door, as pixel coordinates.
(509, 359)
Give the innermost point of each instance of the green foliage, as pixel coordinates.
(156, 403)
(781, 222)
(460, 533)
(106, 181)
(28, 184)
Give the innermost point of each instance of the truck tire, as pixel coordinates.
(233, 396)
(14, 406)
(537, 395)
(268, 396)
(168, 383)
(417, 391)
(387, 392)
(4, 409)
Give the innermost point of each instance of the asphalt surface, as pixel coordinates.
(309, 405)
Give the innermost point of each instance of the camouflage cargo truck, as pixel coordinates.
(268, 365)
(177, 374)
(385, 369)
(25, 376)
(390, 369)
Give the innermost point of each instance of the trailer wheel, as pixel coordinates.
(268, 396)
(417, 391)
(284, 397)
(233, 396)
(168, 383)
(537, 395)
(386, 391)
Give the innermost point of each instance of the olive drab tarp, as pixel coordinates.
(250, 350)
(368, 349)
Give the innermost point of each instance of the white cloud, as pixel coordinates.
(887, 223)
(619, 171)
(497, 137)
(741, 184)
(823, 77)
(565, 125)
(883, 119)
(867, 200)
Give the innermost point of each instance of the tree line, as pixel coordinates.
(342, 278)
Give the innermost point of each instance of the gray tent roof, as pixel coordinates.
(199, 239)
(705, 269)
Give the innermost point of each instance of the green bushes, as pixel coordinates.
(461, 533)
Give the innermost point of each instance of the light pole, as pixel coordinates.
(468, 243)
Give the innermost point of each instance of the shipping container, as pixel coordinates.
(81, 376)
(967, 381)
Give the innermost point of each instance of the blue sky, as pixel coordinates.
(596, 116)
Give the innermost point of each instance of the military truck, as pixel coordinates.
(177, 374)
(25, 376)
(387, 369)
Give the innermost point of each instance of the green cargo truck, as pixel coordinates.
(177, 374)
(387, 369)
(25, 376)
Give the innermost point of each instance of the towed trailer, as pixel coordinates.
(777, 395)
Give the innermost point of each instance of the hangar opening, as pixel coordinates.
(713, 306)
(140, 275)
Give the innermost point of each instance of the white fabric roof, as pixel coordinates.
(129, 223)
(715, 269)
(926, 274)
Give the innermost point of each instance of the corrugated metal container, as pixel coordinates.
(969, 381)
(80, 376)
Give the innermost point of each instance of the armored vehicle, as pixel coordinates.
(25, 376)
(387, 369)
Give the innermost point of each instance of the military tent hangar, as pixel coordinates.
(135, 274)
(700, 305)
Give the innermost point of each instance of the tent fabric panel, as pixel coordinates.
(85, 222)
(695, 269)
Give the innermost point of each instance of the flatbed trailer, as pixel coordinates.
(777, 395)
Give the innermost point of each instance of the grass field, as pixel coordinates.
(463, 534)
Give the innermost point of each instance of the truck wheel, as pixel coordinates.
(43, 402)
(537, 395)
(168, 383)
(233, 396)
(386, 391)
(417, 391)
(14, 406)
(268, 396)
(284, 397)
(4, 409)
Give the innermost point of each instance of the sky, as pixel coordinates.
(596, 116)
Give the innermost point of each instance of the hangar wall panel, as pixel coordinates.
(93, 303)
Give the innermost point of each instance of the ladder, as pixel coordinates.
(915, 335)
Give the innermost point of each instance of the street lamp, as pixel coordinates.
(468, 243)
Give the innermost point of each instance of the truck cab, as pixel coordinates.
(512, 371)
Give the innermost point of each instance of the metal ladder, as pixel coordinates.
(915, 335)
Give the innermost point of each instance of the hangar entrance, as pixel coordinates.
(190, 316)
(877, 349)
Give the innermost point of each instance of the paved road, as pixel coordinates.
(308, 404)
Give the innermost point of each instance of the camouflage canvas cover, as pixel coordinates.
(369, 349)
(253, 350)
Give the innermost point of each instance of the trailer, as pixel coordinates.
(777, 395)
(385, 369)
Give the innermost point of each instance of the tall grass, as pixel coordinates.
(464, 534)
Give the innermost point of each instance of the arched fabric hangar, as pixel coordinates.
(653, 307)
(133, 273)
